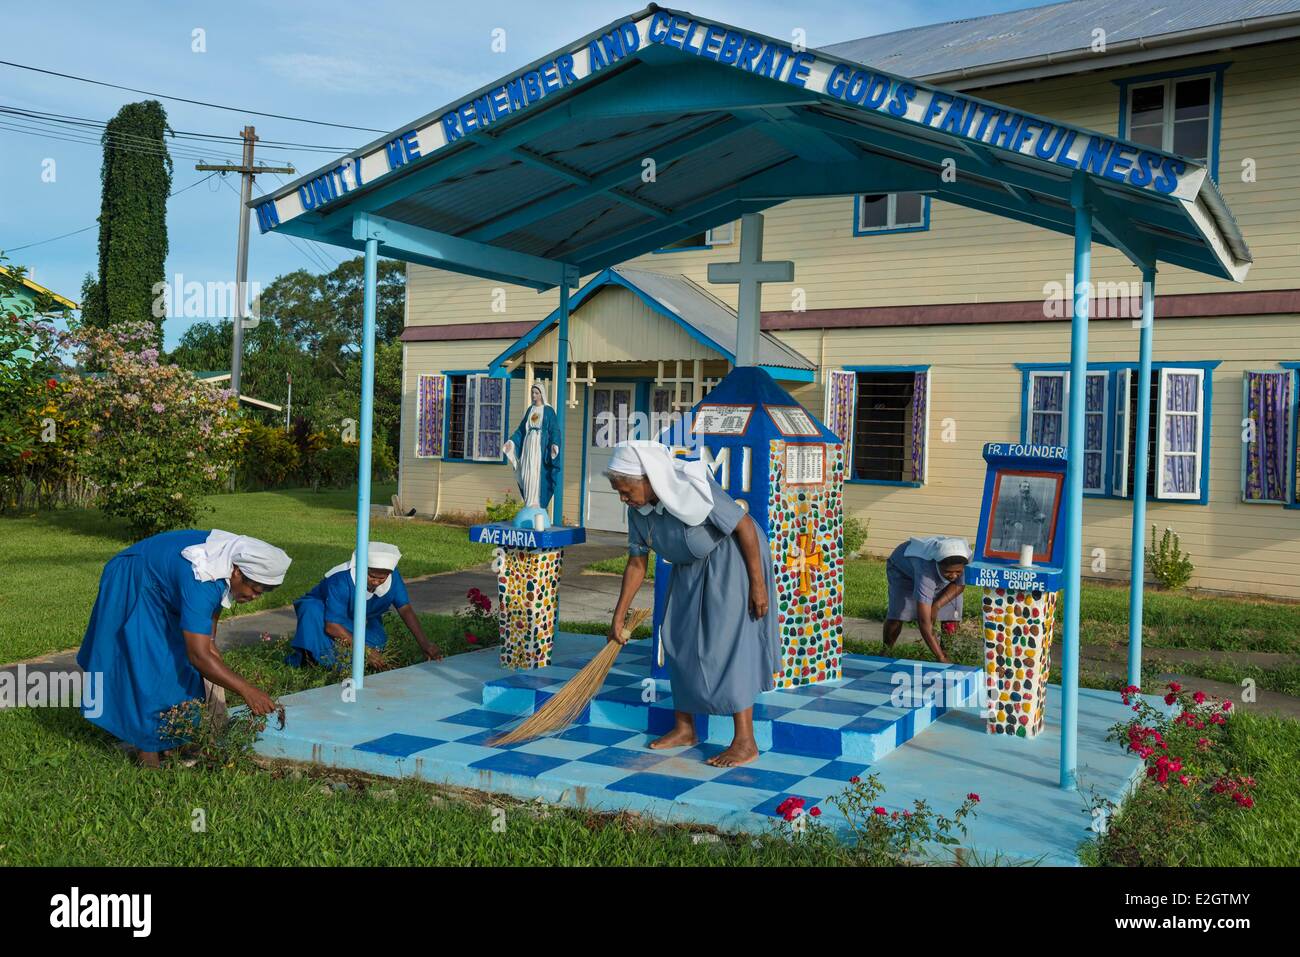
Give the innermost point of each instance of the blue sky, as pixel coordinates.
(375, 64)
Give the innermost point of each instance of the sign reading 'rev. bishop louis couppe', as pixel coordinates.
(861, 86)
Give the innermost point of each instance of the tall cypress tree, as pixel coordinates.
(136, 178)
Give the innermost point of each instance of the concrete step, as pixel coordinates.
(878, 704)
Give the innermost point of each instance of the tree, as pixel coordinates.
(136, 178)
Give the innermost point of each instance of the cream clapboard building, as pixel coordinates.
(944, 324)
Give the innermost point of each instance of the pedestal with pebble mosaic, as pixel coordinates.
(1018, 628)
(528, 583)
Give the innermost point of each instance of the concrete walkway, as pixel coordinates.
(587, 597)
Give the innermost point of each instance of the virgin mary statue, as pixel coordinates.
(533, 450)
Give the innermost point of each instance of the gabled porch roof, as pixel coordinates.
(707, 319)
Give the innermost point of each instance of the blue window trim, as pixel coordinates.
(925, 219)
(1214, 70)
(1114, 368)
(446, 415)
(1294, 368)
(848, 451)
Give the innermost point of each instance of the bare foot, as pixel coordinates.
(148, 759)
(676, 738)
(740, 752)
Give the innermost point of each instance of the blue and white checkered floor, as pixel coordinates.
(878, 704)
(428, 721)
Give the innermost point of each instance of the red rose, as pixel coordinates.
(1227, 706)
(973, 797)
(881, 811)
(1199, 697)
(52, 383)
(855, 780)
(1175, 686)
(1171, 698)
(816, 812)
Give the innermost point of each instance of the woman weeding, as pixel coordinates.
(152, 633)
(925, 577)
(719, 631)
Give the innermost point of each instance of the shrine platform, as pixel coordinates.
(432, 721)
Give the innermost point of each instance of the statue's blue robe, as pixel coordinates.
(550, 430)
(331, 601)
(148, 595)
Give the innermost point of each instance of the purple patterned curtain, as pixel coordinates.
(491, 416)
(429, 401)
(839, 403)
(1182, 398)
(920, 386)
(1047, 410)
(1268, 405)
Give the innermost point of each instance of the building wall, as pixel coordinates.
(975, 384)
(968, 257)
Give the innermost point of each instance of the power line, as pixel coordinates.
(182, 99)
(14, 249)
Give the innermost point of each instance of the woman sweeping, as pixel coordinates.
(719, 630)
(325, 612)
(925, 577)
(152, 633)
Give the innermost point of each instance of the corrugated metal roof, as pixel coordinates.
(1038, 31)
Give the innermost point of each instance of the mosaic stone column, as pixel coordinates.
(528, 583)
(1018, 627)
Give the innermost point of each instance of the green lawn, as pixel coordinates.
(49, 570)
(69, 797)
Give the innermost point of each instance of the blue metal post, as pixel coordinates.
(366, 426)
(1137, 575)
(1074, 483)
(561, 398)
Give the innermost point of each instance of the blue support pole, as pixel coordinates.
(1074, 484)
(561, 398)
(1137, 574)
(366, 427)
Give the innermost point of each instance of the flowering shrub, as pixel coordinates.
(39, 441)
(478, 622)
(880, 837)
(159, 440)
(214, 741)
(1189, 774)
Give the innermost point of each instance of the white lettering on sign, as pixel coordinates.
(1019, 578)
(997, 449)
(509, 537)
(805, 464)
(792, 420)
(720, 464)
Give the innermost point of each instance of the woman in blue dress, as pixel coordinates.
(719, 631)
(152, 633)
(325, 612)
(925, 585)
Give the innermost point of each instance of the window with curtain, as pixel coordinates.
(1174, 114)
(887, 422)
(476, 417)
(1268, 444)
(1049, 404)
(428, 416)
(1178, 430)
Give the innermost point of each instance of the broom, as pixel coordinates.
(567, 703)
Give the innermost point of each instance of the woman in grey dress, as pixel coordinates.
(719, 629)
(925, 575)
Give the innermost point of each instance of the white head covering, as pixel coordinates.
(682, 487)
(937, 548)
(379, 555)
(217, 557)
(537, 384)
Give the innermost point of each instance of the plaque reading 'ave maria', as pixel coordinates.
(722, 419)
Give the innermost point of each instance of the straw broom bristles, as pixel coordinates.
(567, 703)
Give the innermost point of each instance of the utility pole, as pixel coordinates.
(247, 170)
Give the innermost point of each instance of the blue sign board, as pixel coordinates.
(1024, 493)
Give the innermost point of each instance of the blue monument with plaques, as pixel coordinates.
(787, 469)
(1019, 562)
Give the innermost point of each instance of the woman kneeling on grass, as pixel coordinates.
(925, 575)
(152, 633)
(719, 630)
(325, 612)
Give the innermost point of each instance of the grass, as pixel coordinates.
(1266, 748)
(49, 572)
(616, 565)
(70, 798)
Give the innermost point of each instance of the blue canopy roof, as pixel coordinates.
(662, 124)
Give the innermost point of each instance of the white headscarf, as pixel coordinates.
(682, 487)
(217, 557)
(380, 555)
(937, 548)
